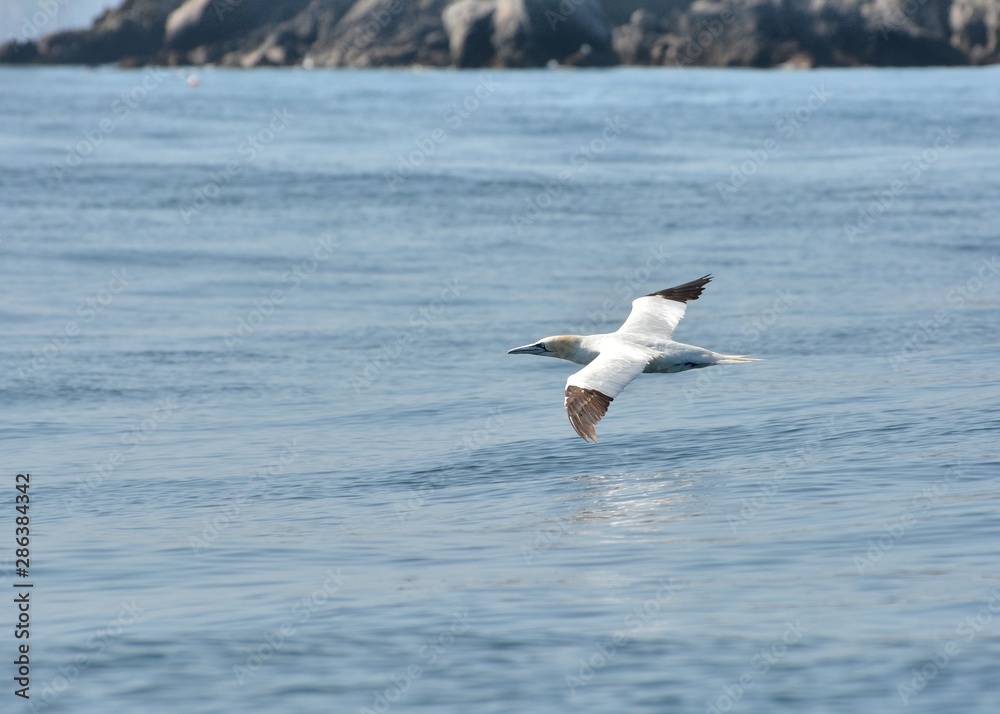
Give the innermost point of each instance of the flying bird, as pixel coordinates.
(642, 344)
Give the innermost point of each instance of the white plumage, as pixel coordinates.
(642, 344)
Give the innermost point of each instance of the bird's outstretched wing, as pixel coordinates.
(590, 391)
(657, 314)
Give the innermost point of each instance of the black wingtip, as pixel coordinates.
(685, 292)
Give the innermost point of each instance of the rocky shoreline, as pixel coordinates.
(528, 33)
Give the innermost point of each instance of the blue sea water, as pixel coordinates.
(253, 356)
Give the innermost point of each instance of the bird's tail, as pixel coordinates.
(733, 359)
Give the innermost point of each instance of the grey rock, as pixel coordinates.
(469, 24)
(200, 22)
(133, 31)
(532, 33)
(975, 30)
(376, 33)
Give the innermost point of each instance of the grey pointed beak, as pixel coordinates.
(535, 349)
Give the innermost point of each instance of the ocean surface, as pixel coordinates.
(254, 358)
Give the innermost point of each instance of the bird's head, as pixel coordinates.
(560, 346)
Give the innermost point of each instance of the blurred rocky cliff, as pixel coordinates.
(528, 33)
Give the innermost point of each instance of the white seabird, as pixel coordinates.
(641, 344)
